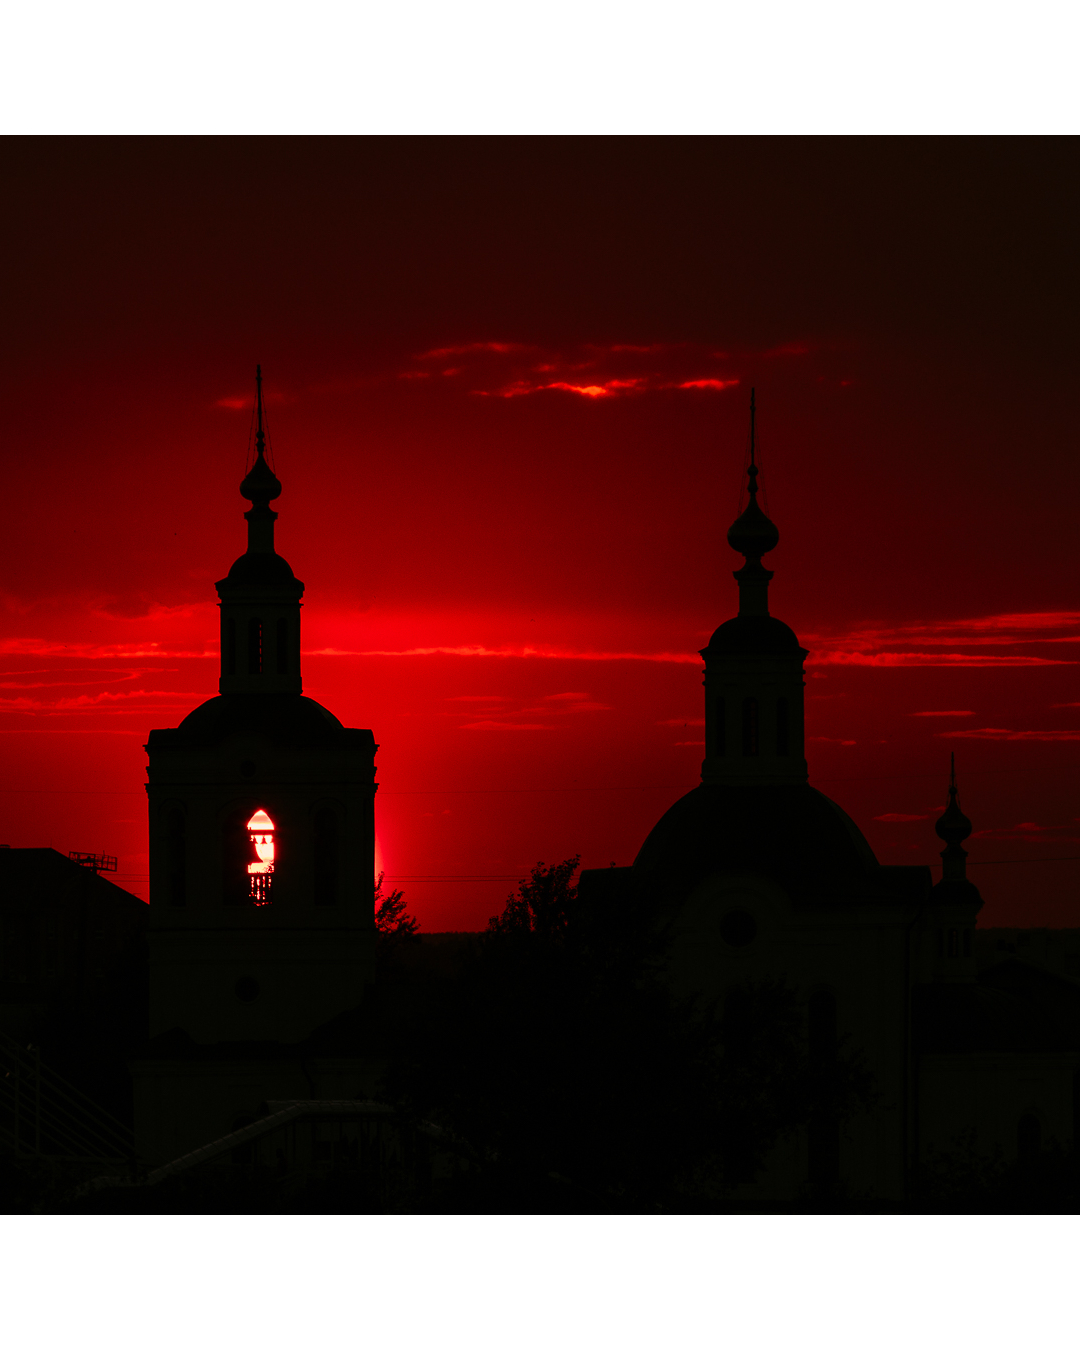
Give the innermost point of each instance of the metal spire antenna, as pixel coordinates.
(260, 439)
(752, 471)
(753, 408)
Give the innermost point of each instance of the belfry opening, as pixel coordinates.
(261, 869)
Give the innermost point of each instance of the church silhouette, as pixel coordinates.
(262, 1040)
(262, 849)
(261, 930)
(761, 877)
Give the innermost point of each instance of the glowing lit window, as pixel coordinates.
(261, 869)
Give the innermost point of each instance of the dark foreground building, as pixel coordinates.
(761, 877)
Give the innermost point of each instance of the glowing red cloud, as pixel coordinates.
(841, 658)
(472, 348)
(952, 712)
(94, 651)
(703, 384)
(863, 646)
(1003, 734)
(520, 653)
(101, 702)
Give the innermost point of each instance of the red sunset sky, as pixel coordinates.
(508, 383)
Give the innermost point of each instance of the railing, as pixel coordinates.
(43, 1116)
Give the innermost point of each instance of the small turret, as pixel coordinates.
(260, 598)
(954, 827)
(753, 535)
(753, 667)
(956, 900)
(260, 486)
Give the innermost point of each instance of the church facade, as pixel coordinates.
(759, 877)
(262, 842)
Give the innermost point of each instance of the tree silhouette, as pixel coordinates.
(394, 926)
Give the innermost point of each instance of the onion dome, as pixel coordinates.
(261, 485)
(954, 827)
(753, 533)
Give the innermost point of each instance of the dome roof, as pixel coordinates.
(957, 891)
(286, 719)
(260, 569)
(756, 635)
(790, 832)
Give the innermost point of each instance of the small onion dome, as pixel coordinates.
(954, 827)
(753, 533)
(261, 484)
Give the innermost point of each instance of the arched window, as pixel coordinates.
(255, 647)
(783, 735)
(326, 857)
(720, 729)
(248, 857)
(176, 856)
(954, 942)
(750, 726)
(229, 655)
(283, 646)
(260, 868)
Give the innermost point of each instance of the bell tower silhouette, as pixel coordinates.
(262, 842)
(754, 669)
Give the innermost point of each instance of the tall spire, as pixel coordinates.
(260, 598)
(260, 487)
(752, 535)
(954, 827)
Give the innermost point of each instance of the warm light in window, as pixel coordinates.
(261, 833)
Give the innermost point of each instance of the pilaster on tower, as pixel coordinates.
(753, 668)
(260, 598)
